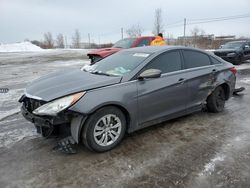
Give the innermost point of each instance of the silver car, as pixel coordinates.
(127, 91)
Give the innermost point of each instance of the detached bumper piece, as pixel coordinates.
(238, 90)
(66, 145)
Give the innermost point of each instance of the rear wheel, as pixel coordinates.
(104, 129)
(216, 101)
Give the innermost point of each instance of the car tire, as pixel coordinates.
(238, 61)
(104, 129)
(216, 100)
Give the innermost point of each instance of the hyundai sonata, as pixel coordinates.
(127, 91)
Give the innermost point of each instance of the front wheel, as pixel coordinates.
(104, 129)
(216, 101)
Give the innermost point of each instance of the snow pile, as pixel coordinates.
(19, 47)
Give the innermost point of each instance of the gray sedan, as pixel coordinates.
(125, 92)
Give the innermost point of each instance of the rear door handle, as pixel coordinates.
(181, 80)
(214, 70)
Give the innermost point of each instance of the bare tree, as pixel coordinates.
(60, 41)
(48, 40)
(158, 24)
(134, 31)
(76, 39)
(197, 36)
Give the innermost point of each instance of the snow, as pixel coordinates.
(10, 137)
(245, 80)
(19, 47)
(210, 167)
(243, 66)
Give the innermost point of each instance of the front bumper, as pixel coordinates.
(48, 126)
(65, 124)
(43, 120)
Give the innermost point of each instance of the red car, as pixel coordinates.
(99, 54)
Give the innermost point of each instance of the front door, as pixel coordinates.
(160, 97)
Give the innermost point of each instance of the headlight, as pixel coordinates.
(231, 54)
(58, 105)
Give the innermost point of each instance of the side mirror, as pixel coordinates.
(246, 46)
(150, 73)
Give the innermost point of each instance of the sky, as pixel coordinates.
(103, 20)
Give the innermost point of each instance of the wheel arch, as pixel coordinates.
(226, 89)
(120, 107)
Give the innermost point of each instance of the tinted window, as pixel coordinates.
(195, 59)
(144, 42)
(215, 61)
(167, 62)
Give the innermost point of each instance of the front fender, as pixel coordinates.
(123, 95)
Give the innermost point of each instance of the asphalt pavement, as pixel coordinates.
(199, 150)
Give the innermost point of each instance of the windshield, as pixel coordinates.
(124, 43)
(117, 64)
(232, 45)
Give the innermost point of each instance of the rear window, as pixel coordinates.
(215, 61)
(195, 59)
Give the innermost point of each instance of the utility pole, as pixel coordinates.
(184, 34)
(89, 39)
(122, 32)
(66, 42)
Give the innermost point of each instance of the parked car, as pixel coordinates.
(128, 91)
(235, 52)
(99, 54)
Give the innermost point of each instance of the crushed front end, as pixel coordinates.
(62, 125)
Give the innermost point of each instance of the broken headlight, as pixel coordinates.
(58, 105)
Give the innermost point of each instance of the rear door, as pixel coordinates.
(200, 77)
(159, 97)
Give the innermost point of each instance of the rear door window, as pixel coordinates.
(195, 59)
(167, 62)
(215, 61)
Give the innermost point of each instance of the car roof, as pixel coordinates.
(239, 41)
(157, 49)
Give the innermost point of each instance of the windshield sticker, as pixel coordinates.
(141, 55)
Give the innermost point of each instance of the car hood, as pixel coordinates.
(63, 83)
(104, 51)
(225, 50)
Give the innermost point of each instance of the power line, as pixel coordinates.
(174, 23)
(215, 18)
(222, 19)
(207, 20)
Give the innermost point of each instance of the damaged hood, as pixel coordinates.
(63, 83)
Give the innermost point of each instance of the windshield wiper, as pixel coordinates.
(99, 73)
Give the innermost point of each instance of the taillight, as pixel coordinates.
(233, 70)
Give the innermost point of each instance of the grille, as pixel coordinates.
(32, 104)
